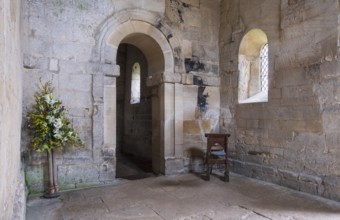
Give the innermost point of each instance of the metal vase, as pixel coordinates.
(52, 188)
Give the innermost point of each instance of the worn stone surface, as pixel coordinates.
(300, 117)
(12, 190)
(177, 197)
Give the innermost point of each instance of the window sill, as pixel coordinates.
(259, 97)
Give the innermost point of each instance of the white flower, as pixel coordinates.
(58, 123)
(57, 135)
(53, 101)
(49, 99)
(51, 120)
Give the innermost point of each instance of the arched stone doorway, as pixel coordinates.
(134, 110)
(167, 137)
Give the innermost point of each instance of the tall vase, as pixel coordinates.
(52, 188)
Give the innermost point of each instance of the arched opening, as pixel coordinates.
(253, 67)
(127, 28)
(139, 57)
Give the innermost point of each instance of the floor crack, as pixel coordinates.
(150, 207)
(257, 213)
(107, 208)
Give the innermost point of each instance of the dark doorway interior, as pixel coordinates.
(134, 126)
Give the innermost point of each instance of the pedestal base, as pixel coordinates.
(51, 195)
(52, 189)
(51, 192)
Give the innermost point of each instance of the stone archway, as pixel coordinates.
(139, 28)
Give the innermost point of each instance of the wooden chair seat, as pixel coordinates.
(217, 153)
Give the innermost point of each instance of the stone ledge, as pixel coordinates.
(165, 77)
(184, 78)
(103, 68)
(327, 187)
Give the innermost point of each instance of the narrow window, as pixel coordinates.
(135, 84)
(253, 67)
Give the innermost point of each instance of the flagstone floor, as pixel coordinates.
(185, 197)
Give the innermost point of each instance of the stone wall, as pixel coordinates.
(12, 190)
(201, 96)
(74, 44)
(201, 115)
(292, 139)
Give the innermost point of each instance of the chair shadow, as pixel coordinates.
(197, 154)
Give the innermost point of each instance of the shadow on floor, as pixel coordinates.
(132, 168)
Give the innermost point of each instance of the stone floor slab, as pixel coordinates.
(184, 197)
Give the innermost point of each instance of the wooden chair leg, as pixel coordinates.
(226, 177)
(226, 173)
(208, 172)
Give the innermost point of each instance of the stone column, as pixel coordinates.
(168, 151)
(168, 118)
(178, 120)
(110, 112)
(172, 127)
(157, 158)
(104, 118)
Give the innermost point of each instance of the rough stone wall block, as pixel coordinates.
(178, 120)
(174, 166)
(98, 131)
(110, 112)
(108, 55)
(12, 201)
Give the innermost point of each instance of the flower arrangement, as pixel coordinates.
(51, 128)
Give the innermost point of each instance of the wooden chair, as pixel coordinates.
(217, 153)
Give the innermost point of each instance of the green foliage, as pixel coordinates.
(51, 128)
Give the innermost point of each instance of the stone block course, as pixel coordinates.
(289, 179)
(310, 184)
(72, 50)
(332, 140)
(81, 83)
(174, 166)
(292, 77)
(331, 187)
(72, 67)
(299, 181)
(33, 62)
(35, 175)
(74, 176)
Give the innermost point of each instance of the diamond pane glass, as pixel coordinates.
(264, 68)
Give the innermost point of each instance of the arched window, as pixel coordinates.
(253, 67)
(135, 84)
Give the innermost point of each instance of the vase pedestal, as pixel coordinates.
(51, 192)
(52, 189)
